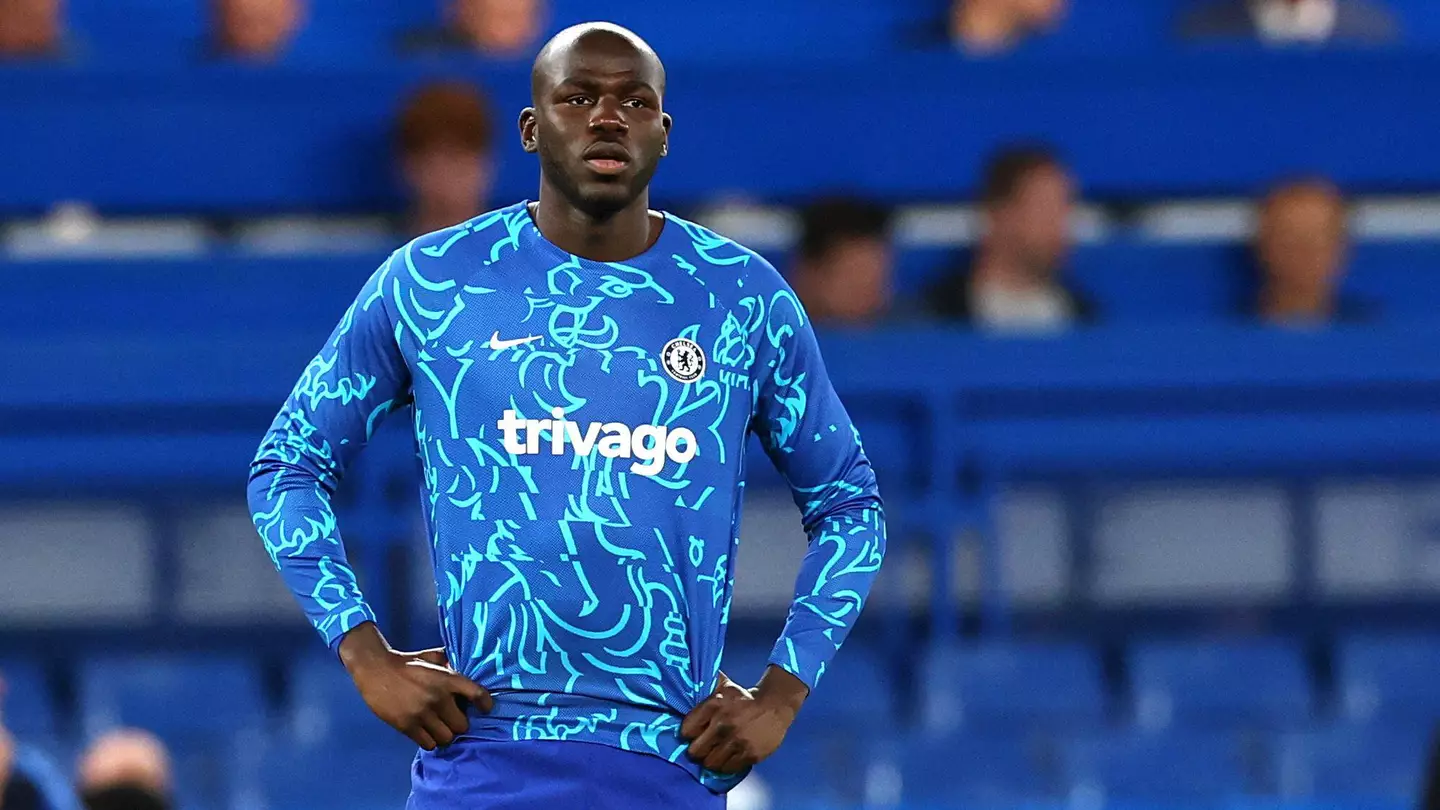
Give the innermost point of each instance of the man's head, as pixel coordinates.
(1028, 198)
(843, 270)
(444, 142)
(257, 29)
(1301, 239)
(597, 122)
(502, 27)
(125, 770)
(29, 27)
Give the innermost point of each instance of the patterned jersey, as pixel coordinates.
(581, 429)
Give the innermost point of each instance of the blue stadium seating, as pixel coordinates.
(858, 691)
(1220, 684)
(27, 704)
(184, 699)
(1388, 678)
(1174, 768)
(1346, 763)
(969, 770)
(814, 769)
(366, 772)
(1005, 686)
(324, 703)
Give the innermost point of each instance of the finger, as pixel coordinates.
(713, 737)
(452, 715)
(736, 763)
(472, 691)
(723, 753)
(438, 731)
(434, 656)
(421, 737)
(698, 719)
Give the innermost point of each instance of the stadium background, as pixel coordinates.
(1178, 555)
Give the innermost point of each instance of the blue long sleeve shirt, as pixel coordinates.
(581, 431)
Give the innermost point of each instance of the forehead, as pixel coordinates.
(602, 61)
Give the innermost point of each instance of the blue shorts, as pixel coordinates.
(473, 774)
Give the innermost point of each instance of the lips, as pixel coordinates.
(606, 158)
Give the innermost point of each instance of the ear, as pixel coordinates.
(666, 121)
(528, 123)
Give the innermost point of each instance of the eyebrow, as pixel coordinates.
(591, 83)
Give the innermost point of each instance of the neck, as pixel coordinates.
(623, 235)
(1278, 302)
(997, 268)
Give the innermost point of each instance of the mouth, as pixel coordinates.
(606, 158)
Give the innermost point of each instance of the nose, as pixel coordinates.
(608, 118)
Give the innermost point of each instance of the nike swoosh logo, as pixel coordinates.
(497, 344)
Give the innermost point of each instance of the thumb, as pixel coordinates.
(434, 656)
(471, 691)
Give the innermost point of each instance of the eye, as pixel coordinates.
(577, 101)
(636, 102)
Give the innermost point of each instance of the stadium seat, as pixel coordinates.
(813, 770)
(1001, 686)
(1384, 678)
(1223, 684)
(324, 703)
(368, 772)
(1168, 767)
(27, 706)
(183, 699)
(1350, 763)
(971, 770)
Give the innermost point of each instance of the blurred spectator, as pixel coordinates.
(125, 770)
(444, 141)
(1300, 250)
(28, 780)
(31, 29)
(501, 28)
(1291, 21)
(259, 30)
(1014, 280)
(982, 27)
(845, 264)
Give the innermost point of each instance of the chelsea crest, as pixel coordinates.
(683, 360)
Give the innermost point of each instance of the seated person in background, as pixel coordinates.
(258, 30)
(28, 780)
(1013, 281)
(444, 145)
(1300, 247)
(125, 770)
(1291, 21)
(844, 263)
(982, 27)
(31, 29)
(504, 29)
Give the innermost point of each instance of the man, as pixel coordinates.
(501, 29)
(126, 769)
(584, 374)
(444, 144)
(1301, 243)
(987, 27)
(257, 30)
(31, 29)
(1291, 21)
(845, 263)
(1014, 282)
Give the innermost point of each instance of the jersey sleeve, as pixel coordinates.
(358, 377)
(809, 437)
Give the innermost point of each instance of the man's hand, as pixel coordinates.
(416, 693)
(735, 727)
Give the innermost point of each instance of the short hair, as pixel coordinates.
(1009, 166)
(445, 113)
(829, 221)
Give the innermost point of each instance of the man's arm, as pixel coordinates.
(809, 437)
(357, 379)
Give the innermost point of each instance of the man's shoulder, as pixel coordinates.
(721, 253)
(448, 250)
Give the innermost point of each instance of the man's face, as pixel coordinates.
(598, 124)
(258, 28)
(1040, 13)
(1301, 238)
(29, 26)
(1035, 222)
(855, 286)
(498, 26)
(447, 177)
